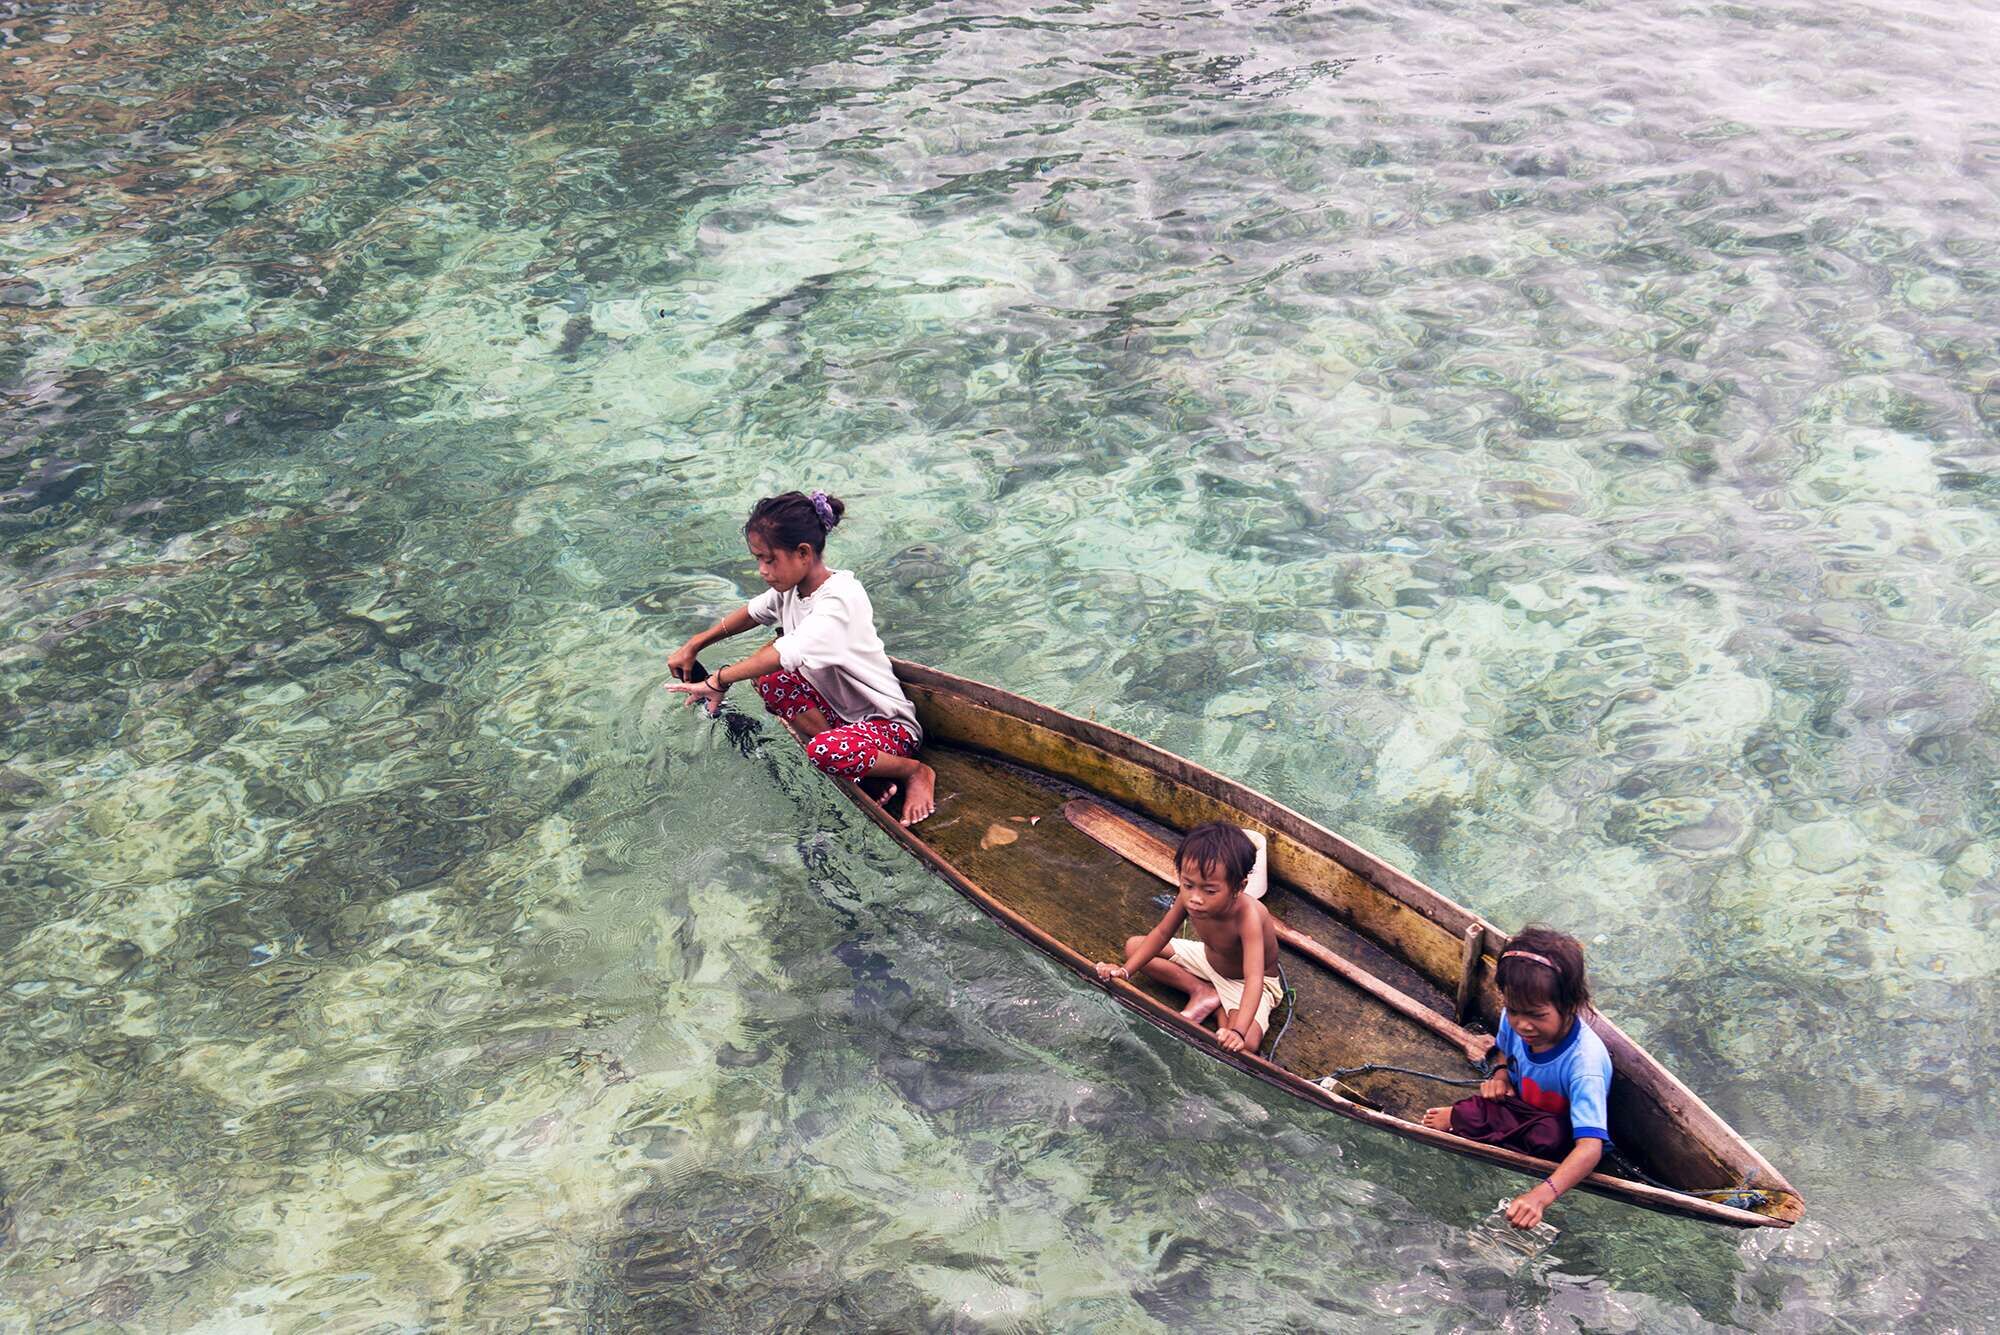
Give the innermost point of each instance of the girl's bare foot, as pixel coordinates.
(921, 801)
(1437, 1119)
(883, 794)
(1201, 1005)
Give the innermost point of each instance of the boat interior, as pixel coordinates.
(1005, 827)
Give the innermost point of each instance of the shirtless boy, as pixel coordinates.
(1237, 946)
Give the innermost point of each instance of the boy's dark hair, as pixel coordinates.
(1218, 844)
(1527, 982)
(791, 519)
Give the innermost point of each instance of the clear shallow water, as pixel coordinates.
(1553, 445)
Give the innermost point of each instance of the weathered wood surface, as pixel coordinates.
(1396, 928)
(1468, 971)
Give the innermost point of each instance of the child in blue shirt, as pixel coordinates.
(1551, 1092)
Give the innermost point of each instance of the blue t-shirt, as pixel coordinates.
(1573, 1077)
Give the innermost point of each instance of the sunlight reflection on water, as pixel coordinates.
(1501, 440)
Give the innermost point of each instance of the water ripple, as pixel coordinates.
(1553, 436)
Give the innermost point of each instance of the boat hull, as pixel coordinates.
(1040, 756)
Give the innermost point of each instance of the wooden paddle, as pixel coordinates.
(1152, 854)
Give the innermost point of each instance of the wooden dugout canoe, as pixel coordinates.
(1018, 786)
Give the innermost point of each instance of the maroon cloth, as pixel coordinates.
(845, 750)
(1513, 1122)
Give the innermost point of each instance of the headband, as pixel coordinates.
(827, 518)
(1529, 955)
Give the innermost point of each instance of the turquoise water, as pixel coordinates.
(1552, 443)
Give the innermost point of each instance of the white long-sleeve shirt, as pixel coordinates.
(830, 640)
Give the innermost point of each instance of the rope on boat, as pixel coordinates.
(1345, 1072)
(1271, 1053)
(1743, 1196)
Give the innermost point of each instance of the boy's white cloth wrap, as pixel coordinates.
(830, 640)
(1193, 956)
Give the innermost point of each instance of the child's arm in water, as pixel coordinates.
(716, 684)
(682, 659)
(1149, 945)
(1525, 1210)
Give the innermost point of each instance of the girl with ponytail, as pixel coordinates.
(826, 675)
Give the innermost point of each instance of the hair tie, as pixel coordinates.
(1543, 960)
(827, 518)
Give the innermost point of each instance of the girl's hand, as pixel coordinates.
(1525, 1210)
(681, 661)
(1231, 1040)
(699, 692)
(1497, 1086)
(1106, 972)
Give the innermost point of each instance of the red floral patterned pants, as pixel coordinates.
(845, 750)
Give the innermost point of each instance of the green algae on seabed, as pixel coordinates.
(1514, 449)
